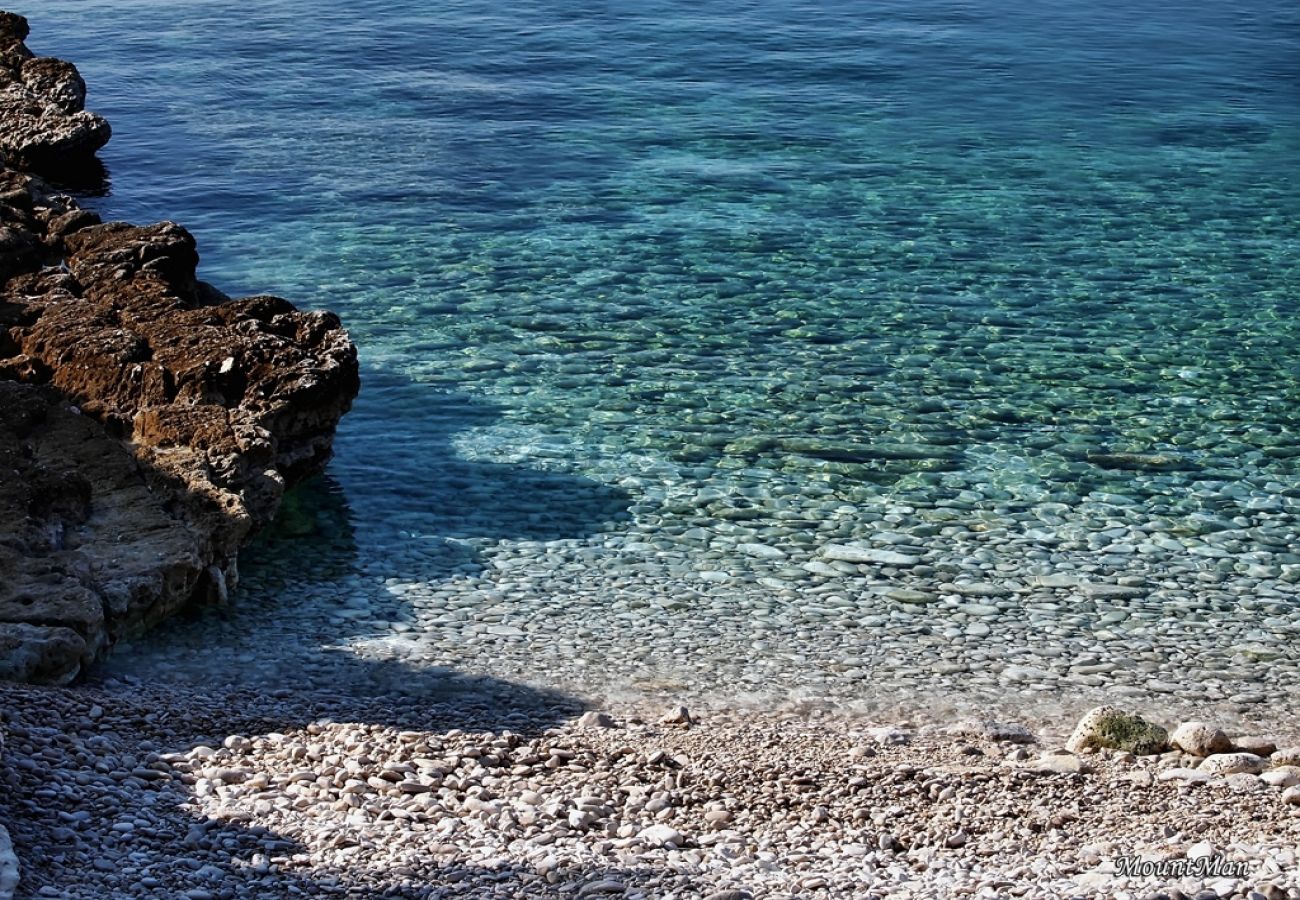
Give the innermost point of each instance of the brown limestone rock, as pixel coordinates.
(89, 550)
(43, 122)
(149, 424)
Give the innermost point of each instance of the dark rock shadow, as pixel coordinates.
(398, 480)
(103, 769)
(313, 526)
(399, 427)
(85, 179)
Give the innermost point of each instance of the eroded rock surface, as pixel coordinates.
(43, 121)
(1108, 728)
(148, 423)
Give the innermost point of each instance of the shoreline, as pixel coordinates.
(1050, 717)
(240, 644)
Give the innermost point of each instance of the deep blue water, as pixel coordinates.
(1018, 279)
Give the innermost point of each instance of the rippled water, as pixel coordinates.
(656, 301)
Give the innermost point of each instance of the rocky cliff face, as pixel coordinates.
(148, 423)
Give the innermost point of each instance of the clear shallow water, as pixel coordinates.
(657, 301)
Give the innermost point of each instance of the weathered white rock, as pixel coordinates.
(1192, 776)
(1065, 763)
(1244, 781)
(1107, 727)
(1200, 739)
(1282, 776)
(678, 715)
(581, 819)
(661, 835)
(1291, 796)
(1232, 763)
(1285, 756)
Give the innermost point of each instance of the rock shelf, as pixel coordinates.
(148, 423)
(42, 106)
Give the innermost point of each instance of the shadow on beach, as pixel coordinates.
(275, 660)
(91, 817)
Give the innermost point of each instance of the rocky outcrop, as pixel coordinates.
(148, 423)
(43, 121)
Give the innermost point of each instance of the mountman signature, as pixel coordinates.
(1201, 867)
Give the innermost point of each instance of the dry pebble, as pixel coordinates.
(180, 792)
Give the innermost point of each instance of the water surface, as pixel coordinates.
(657, 301)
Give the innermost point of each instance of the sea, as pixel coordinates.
(892, 356)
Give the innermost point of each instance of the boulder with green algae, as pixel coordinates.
(1107, 727)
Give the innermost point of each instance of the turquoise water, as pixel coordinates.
(657, 300)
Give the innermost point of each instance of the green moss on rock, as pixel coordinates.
(1108, 727)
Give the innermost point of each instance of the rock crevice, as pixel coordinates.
(149, 424)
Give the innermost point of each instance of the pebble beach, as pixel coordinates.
(126, 789)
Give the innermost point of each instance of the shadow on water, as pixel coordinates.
(396, 460)
(88, 181)
(275, 659)
(400, 501)
(399, 507)
(313, 527)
